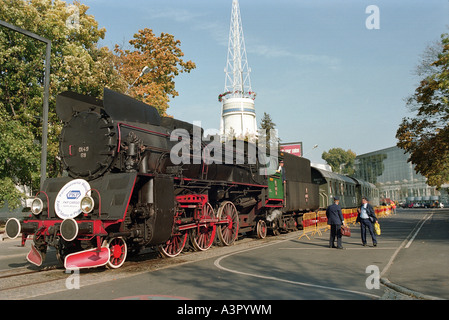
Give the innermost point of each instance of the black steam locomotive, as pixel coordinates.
(124, 192)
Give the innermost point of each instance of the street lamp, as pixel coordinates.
(314, 147)
(144, 71)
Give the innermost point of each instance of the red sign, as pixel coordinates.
(295, 149)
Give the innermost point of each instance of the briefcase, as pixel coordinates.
(345, 231)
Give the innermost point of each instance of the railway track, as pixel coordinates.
(20, 280)
(30, 281)
(26, 283)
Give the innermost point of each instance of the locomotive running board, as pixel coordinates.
(91, 258)
(35, 256)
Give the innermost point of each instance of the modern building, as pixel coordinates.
(396, 178)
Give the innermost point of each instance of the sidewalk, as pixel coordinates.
(422, 264)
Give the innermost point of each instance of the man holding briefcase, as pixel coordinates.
(335, 220)
(367, 218)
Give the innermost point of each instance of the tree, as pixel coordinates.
(340, 160)
(163, 57)
(265, 130)
(18, 153)
(426, 135)
(77, 64)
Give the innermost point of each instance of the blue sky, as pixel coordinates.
(318, 71)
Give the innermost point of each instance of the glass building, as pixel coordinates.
(396, 178)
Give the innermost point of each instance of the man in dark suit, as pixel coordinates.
(366, 217)
(335, 220)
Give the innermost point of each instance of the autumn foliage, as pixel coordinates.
(163, 57)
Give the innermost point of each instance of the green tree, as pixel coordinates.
(340, 160)
(266, 125)
(77, 64)
(426, 135)
(18, 153)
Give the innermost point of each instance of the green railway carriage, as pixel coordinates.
(333, 185)
(366, 189)
(348, 189)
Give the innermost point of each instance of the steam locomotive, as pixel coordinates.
(124, 190)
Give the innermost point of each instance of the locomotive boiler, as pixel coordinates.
(123, 191)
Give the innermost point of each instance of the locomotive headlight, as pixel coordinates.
(87, 204)
(37, 206)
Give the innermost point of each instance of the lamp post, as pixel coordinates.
(314, 147)
(46, 93)
(145, 70)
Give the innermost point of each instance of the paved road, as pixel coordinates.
(412, 253)
(422, 262)
(12, 255)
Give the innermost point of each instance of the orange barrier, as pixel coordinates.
(377, 211)
(322, 220)
(352, 216)
(309, 222)
(316, 222)
(382, 211)
(346, 214)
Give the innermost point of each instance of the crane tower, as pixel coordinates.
(238, 115)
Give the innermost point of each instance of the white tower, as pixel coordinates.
(238, 115)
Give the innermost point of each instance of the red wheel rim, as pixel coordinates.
(228, 232)
(174, 245)
(203, 235)
(261, 229)
(118, 251)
